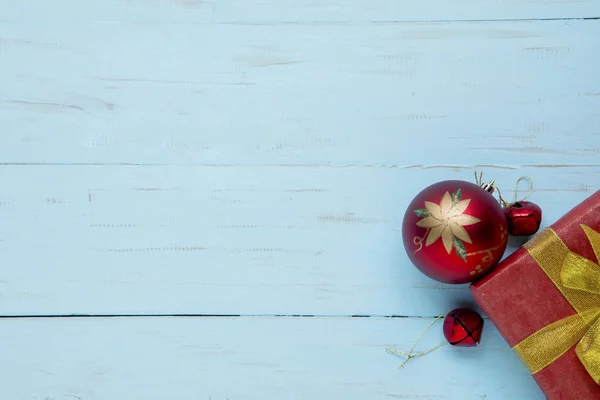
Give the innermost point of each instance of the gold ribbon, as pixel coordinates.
(578, 279)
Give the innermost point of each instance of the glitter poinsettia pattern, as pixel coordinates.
(447, 220)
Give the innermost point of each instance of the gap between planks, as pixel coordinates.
(361, 22)
(204, 315)
(393, 166)
(400, 21)
(371, 22)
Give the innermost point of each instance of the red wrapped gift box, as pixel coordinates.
(545, 301)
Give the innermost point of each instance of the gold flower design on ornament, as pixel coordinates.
(447, 221)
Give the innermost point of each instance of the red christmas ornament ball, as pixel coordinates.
(523, 217)
(454, 231)
(463, 327)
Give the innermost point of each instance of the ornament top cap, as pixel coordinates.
(488, 187)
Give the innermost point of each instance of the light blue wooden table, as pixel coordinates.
(203, 199)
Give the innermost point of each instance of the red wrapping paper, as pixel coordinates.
(520, 299)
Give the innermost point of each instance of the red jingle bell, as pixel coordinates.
(454, 231)
(463, 327)
(523, 218)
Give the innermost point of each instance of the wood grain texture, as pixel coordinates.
(299, 11)
(252, 160)
(248, 358)
(290, 94)
(230, 240)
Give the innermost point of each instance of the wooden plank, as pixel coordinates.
(274, 11)
(249, 358)
(231, 240)
(289, 94)
(290, 11)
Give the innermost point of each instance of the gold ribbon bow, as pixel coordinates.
(578, 279)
